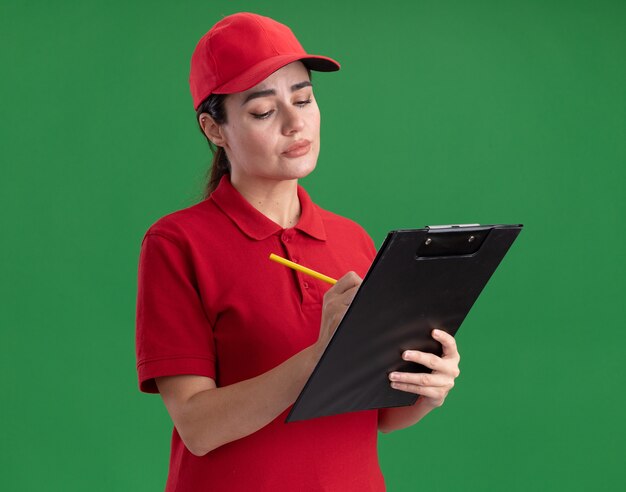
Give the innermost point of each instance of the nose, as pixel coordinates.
(293, 120)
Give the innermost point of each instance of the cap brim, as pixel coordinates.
(261, 71)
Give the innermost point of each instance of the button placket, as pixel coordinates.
(306, 282)
(290, 253)
(290, 244)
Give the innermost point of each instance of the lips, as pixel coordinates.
(298, 148)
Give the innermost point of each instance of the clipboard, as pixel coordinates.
(421, 279)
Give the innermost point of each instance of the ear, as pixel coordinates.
(212, 130)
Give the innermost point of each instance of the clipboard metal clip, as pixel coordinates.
(451, 241)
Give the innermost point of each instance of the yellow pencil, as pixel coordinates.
(300, 268)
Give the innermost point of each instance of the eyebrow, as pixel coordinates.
(272, 92)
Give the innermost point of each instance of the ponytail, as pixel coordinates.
(219, 167)
(214, 107)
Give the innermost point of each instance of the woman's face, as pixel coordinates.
(272, 131)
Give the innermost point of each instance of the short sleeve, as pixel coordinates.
(173, 334)
(371, 247)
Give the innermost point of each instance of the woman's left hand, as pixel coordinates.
(434, 387)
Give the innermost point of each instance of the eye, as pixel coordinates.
(303, 103)
(262, 116)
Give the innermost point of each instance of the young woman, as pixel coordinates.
(229, 338)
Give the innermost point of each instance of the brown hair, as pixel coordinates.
(214, 107)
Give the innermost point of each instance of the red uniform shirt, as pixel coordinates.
(211, 303)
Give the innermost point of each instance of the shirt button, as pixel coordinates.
(294, 259)
(305, 285)
(285, 237)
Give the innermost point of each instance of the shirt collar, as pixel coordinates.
(256, 225)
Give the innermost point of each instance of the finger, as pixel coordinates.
(448, 343)
(427, 391)
(348, 296)
(347, 282)
(422, 379)
(424, 358)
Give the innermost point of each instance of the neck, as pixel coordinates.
(277, 200)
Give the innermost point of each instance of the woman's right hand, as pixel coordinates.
(336, 302)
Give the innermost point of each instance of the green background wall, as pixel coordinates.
(444, 112)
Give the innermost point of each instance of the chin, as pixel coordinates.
(304, 170)
(300, 168)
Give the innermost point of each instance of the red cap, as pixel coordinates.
(243, 49)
